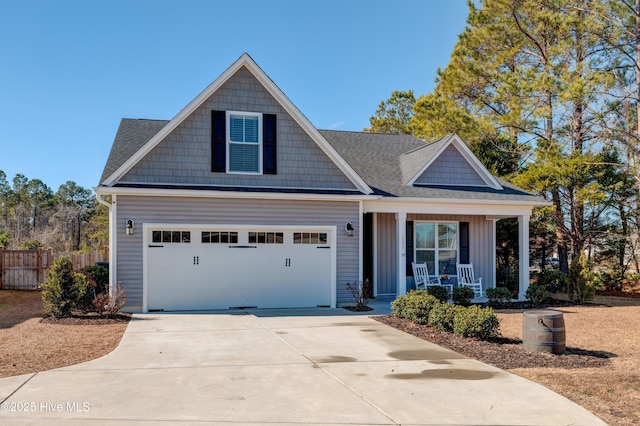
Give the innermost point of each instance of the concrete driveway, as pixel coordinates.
(311, 367)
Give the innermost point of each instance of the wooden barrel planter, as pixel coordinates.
(543, 331)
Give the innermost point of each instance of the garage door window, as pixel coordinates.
(171, 236)
(222, 237)
(266, 237)
(310, 238)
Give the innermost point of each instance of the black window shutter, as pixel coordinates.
(269, 145)
(409, 248)
(218, 141)
(464, 242)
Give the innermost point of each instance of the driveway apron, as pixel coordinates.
(311, 367)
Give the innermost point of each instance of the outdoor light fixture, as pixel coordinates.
(129, 227)
(349, 228)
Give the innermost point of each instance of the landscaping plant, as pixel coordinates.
(442, 316)
(439, 292)
(553, 280)
(498, 295)
(463, 295)
(475, 321)
(414, 306)
(359, 294)
(63, 289)
(537, 293)
(580, 288)
(105, 306)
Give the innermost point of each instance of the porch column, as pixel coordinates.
(523, 258)
(492, 254)
(401, 255)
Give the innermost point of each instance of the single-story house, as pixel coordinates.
(239, 201)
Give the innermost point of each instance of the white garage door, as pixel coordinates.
(195, 268)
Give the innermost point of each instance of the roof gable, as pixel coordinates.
(447, 162)
(118, 166)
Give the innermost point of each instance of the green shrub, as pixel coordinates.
(98, 279)
(463, 295)
(537, 293)
(414, 306)
(553, 280)
(475, 321)
(63, 289)
(442, 316)
(580, 288)
(439, 292)
(498, 295)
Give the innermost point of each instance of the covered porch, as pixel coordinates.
(441, 235)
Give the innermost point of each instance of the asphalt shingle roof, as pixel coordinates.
(386, 162)
(131, 136)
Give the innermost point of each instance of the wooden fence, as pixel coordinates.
(26, 269)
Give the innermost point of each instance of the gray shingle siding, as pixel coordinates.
(450, 168)
(220, 211)
(184, 156)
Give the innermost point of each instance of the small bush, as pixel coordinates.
(580, 288)
(442, 316)
(359, 294)
(439, 292)
(475, 321)
(107, 307)
(98, 279)
(463, 295)
(537, 293)
(99, 275)
(498, 295)
(414, 306)
(63, 289)
(553, 280)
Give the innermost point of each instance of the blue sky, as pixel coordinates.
(70, 70)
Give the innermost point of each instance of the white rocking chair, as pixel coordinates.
(466, 278)
(421, 276)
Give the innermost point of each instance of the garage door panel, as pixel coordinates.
(201, 275)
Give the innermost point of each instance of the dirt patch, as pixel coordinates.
(600, 369)
(32, 342)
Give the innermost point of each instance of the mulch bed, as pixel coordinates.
(500, 352)
(90, 318)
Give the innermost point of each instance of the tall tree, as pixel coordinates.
(75, 206)
(534, 73)
(394, 115)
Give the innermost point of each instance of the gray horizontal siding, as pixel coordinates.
(184, 156)
(181, 210)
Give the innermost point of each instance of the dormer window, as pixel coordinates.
(243, 142)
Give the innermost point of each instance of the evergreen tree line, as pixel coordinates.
(33, 216)
(546, 93)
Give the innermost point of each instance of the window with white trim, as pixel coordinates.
(244, 142)
(436, 244)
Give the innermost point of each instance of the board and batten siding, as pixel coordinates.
(480, 247)
(224, 211)
(386, 253)
(184, 156)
